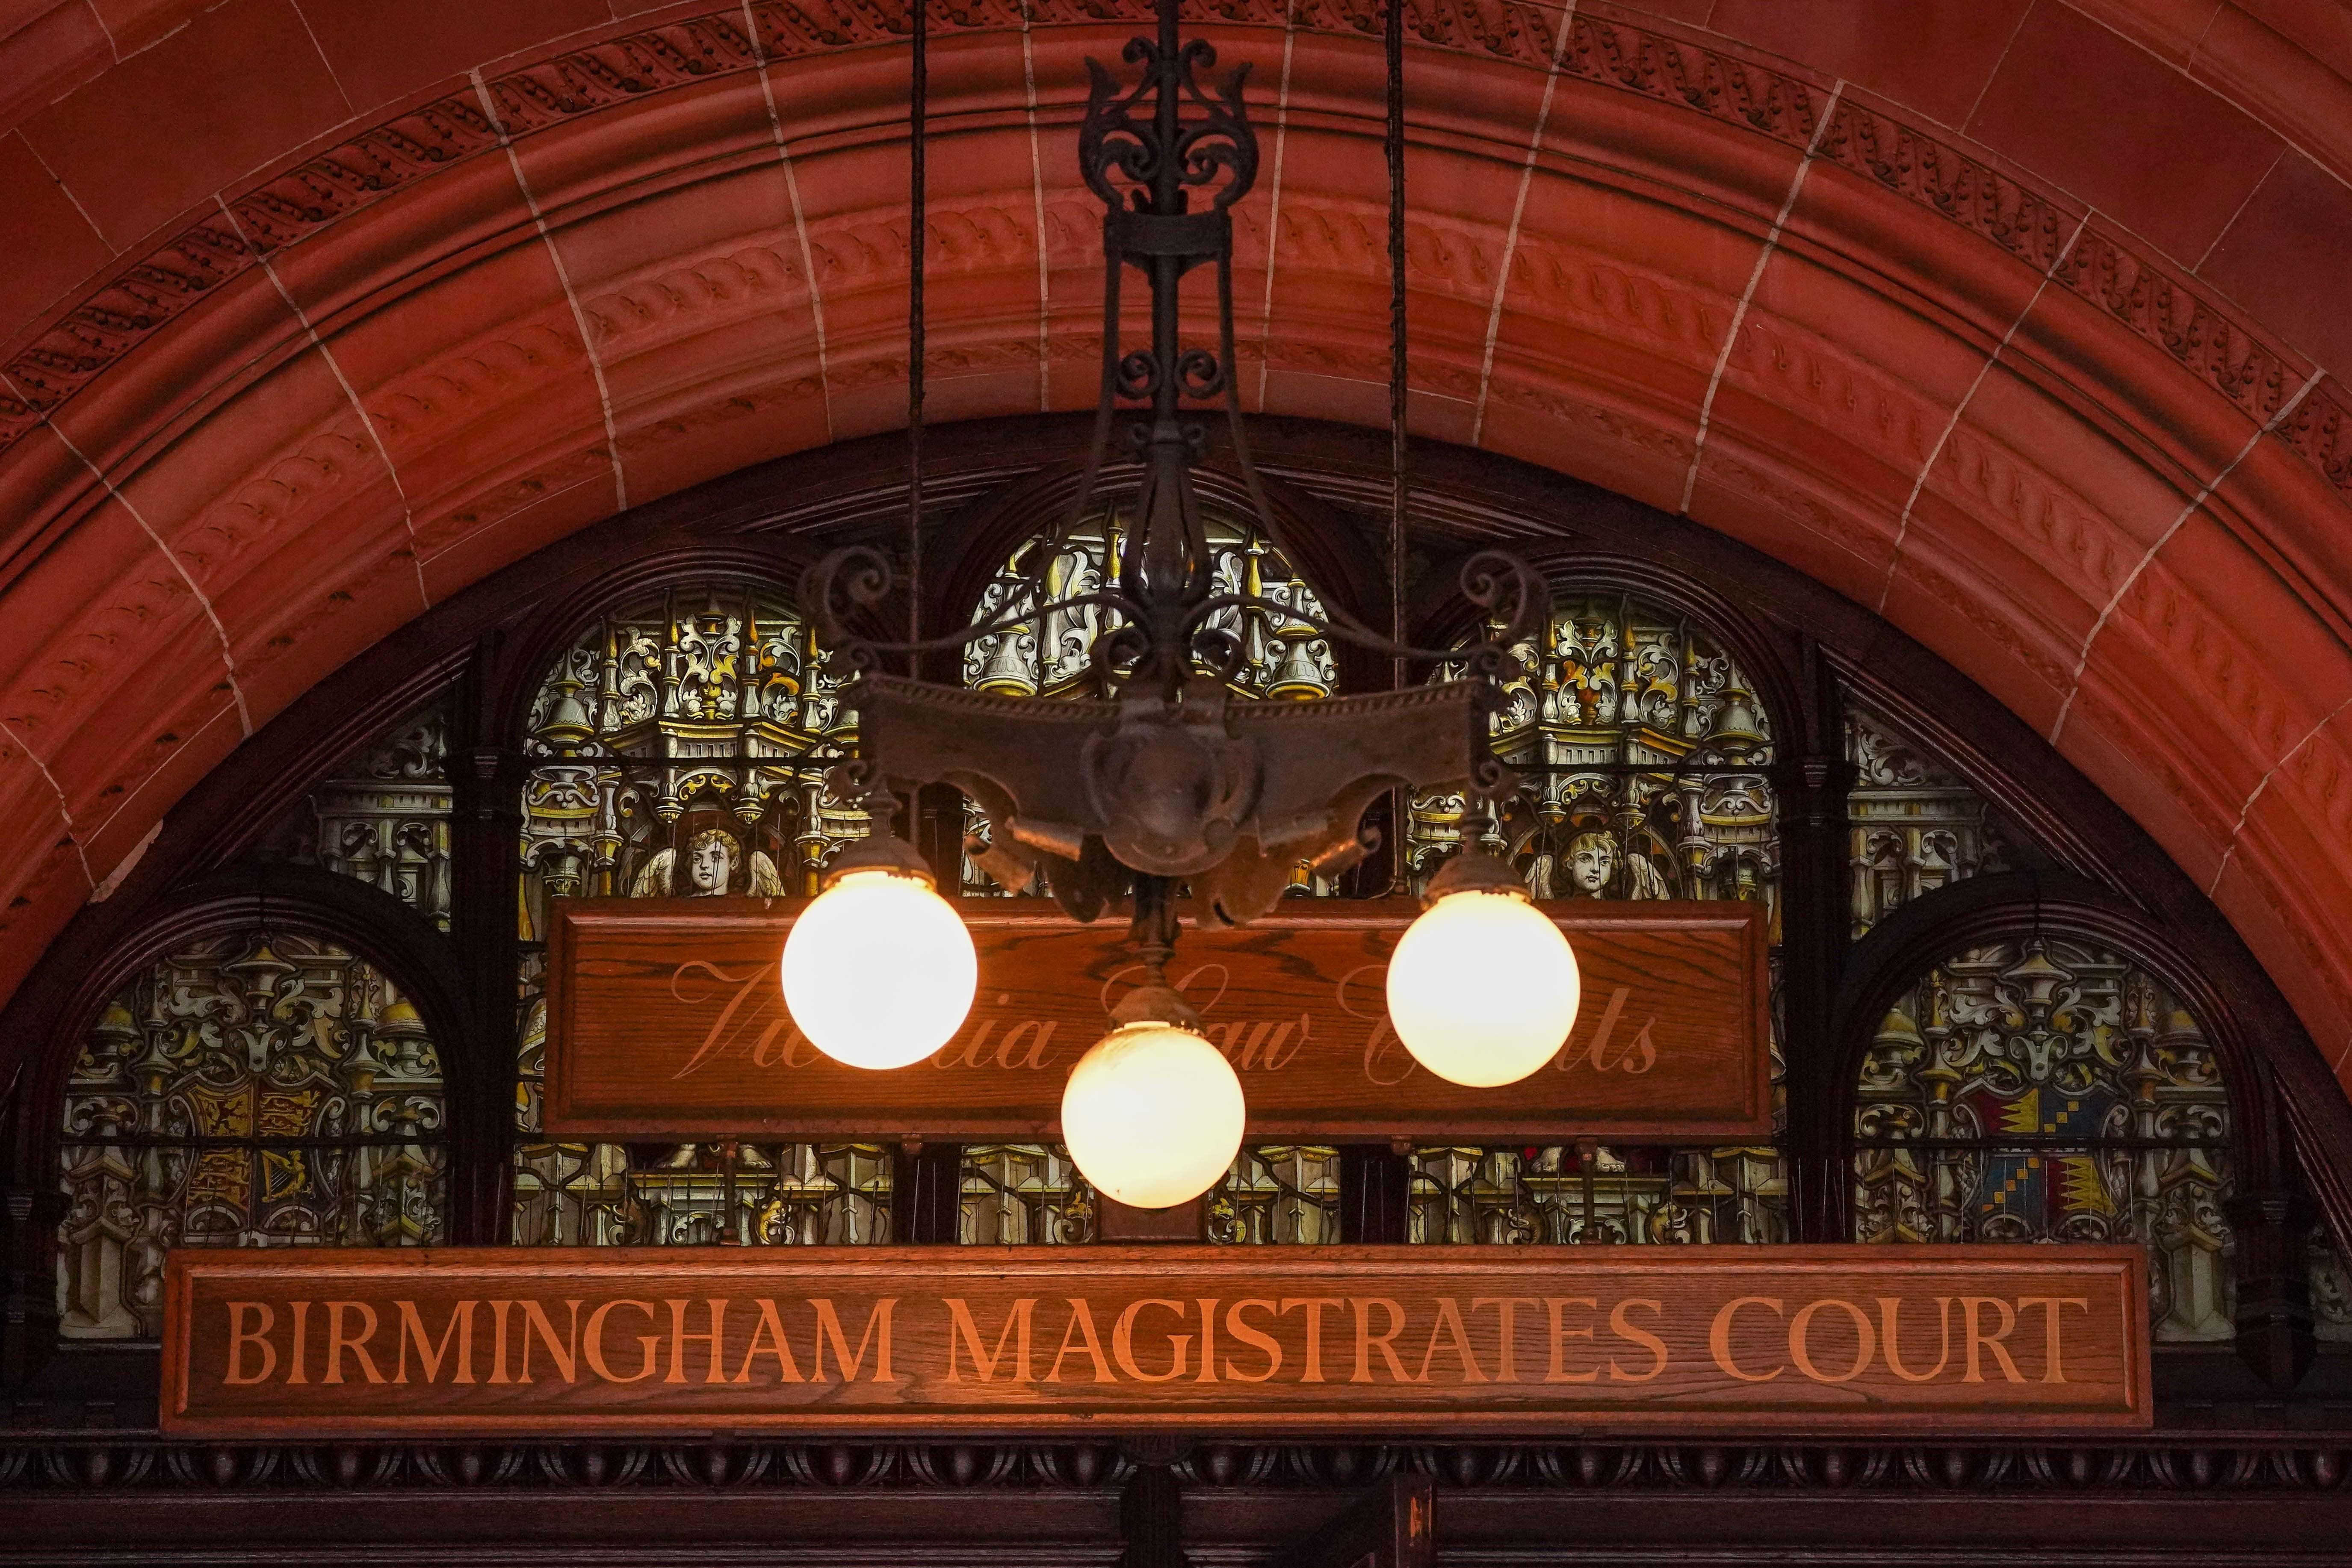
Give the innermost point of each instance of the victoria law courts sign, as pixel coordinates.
(666, 1019)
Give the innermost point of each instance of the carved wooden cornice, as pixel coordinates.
(2174, 1463)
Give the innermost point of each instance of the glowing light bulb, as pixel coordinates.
(1482, 988)
(879, 971)
(1153, 1115)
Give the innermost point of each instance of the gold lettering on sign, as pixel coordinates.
(1265, 1343)
(648, 1344)
(1027, 1044)
(963, 1329)
(665, 1020)
(2053, 1362)
(1840, 1336)
(430, 1353)
(1152, 1339)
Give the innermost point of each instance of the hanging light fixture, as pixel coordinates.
(879, 972)
(1153, 1113)
(1482, 988)
(1165, 783)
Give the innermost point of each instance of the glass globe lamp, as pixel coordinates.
(1153, 1115)
(879, 972)
(1482, 987)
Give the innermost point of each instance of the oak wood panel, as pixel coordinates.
(664, 1017)
(1450, 1340)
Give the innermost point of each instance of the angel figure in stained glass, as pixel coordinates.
(711, 858)
(1593, 861)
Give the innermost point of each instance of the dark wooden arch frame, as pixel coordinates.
(364, 918)
(2270, 1214)
(2005, 905)
(1800, 642)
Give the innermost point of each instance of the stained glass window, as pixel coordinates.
(2040, 1090)
(1024, 1194)
(381, 814)
(251, 1089)
(1277, 1195)
(2331, 1285)
(1053, 655)
(1915, 826)
(678, 748)
(690, 1195)
(1634, 1196)
(1642, 749)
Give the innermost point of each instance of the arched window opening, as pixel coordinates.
(1642, 749)
(2041, 1089)
(255, 1088)
(382, 816)
(1915, 826)
(678, 748)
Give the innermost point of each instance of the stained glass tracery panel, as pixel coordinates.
(2041, 1090)
(1916, 825)
(1285, 1195)
(1016, 1194)
(249, 1089)
(679, 748)
(1629, 1196)
(382, 816)
(1283, 658)
(1642, 751)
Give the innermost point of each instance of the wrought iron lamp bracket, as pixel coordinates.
(1169, 779)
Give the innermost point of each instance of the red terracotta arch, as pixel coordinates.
(2017, 326)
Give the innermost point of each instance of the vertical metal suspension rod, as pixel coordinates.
(918, 112)
(1394, 42)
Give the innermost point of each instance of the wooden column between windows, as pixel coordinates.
(1393, 1526)
(2274, 1319)
(484, 829)
(1151, 1509)
(30, 1209)
(1811, 791)
(927, 1193)
(1375, 1193)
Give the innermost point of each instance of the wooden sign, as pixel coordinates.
(666, 1019)
(1458, 1341)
